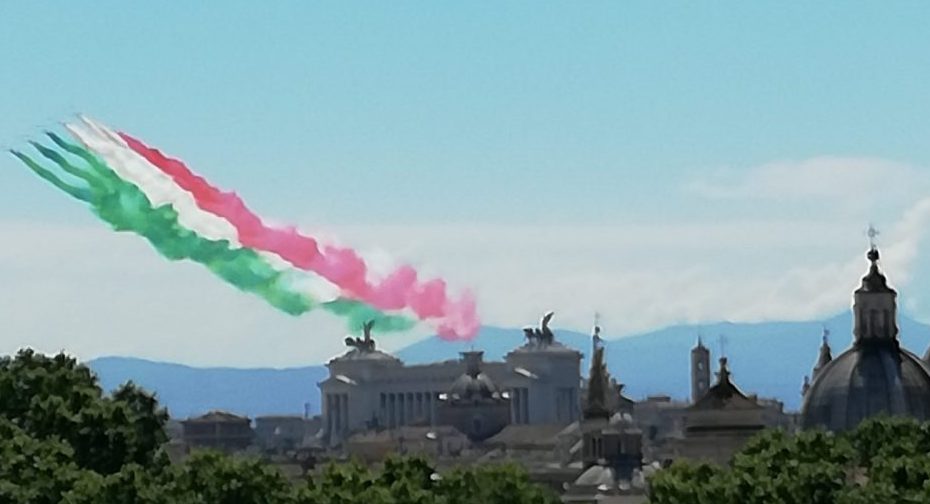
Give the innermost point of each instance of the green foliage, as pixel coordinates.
(808, 467)
(133, 484)
(34, 471)
(685, 483)
(883, 460)
(414, 481)
(882, 438)
(341, 484)
(493, 484)
(57, 397)
(219, 479)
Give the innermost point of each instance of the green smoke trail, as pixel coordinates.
(126, 208)
(105, 174)
(80, 193)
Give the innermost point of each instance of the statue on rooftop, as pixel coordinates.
(541, 335)
(366, 343)
(596, 405)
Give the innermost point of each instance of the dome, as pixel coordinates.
(468, 387)
(868, 380)
(473, 404)
(473, 385)
(874, 377)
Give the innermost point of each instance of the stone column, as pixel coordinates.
(345, 412)
(402, 408)
(392, 407)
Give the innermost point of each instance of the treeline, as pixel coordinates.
(884, 460)
(63, 440)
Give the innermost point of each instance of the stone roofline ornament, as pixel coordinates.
(723, 375)
(598, 383)
(596, 340)
(875, 280)
(365, 344)
(826, 354)
(700, 342)
(542, 335)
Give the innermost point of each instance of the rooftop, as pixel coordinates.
(217, 416)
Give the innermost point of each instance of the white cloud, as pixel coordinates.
(854, 183)
(95, 292)
(642, 277)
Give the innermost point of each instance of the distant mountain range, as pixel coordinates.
(769, 359)
(188, 391)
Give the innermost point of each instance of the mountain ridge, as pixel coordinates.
(655, 362)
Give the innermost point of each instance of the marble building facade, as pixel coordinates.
(371, 389)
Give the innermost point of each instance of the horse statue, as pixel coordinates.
(541, 335)
(366, 343)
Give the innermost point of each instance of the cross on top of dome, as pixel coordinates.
(872, 233)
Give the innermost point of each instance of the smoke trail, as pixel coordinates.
(159, 189)
(79, 193)
(458, 319)
(126, 208)
(134, 169)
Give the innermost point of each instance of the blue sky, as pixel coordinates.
(580, 148)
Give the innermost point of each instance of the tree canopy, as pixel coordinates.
(883, 460)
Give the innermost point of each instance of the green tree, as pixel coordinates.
(57, 397)
(884, 460)
(34, 471)
(809, 467)
(493, 484)
(132, 484)
(339, 484)
(214, 478)
(880, 438)
(411, 480)
(691, 483)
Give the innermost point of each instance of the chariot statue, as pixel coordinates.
(541, 335)
(366, 343)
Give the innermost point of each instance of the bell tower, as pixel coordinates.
(700, 370)
(875, 304)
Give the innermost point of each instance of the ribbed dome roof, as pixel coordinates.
(468, 387)
(867, 380)
(473, 385)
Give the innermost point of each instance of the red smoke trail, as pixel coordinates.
(342, 266)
